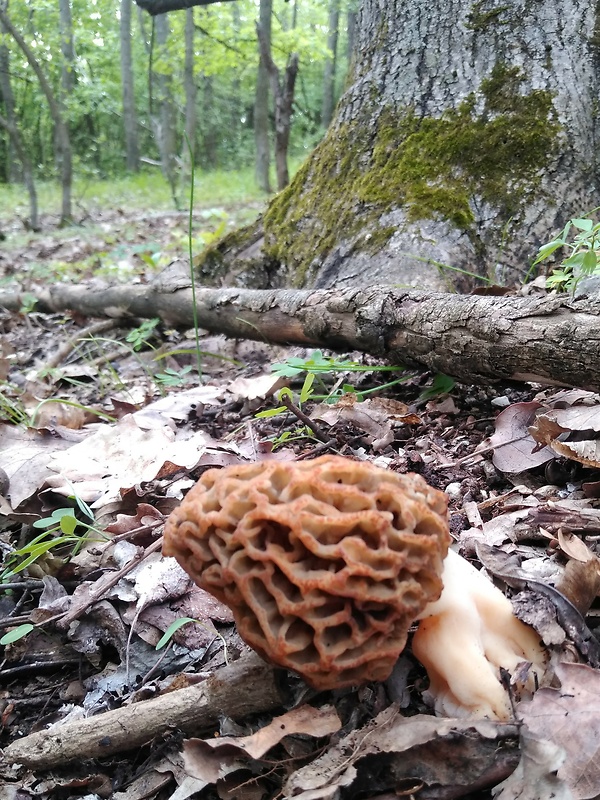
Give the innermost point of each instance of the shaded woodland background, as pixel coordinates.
(99, 89)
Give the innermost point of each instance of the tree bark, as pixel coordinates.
(13, 173)
(28, 179)
(67, 67)
(261, 101)
(130, 123)
(62, 132)
(542, 339)
(283, 95)
(190, 89)
(460, 141)
(330, 63)
(164, 122)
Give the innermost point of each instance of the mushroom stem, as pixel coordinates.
(463, 640)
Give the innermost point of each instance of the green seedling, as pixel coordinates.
(441, 384)
(12, 410)
(20, 632)
(583, 248)
(179, 623)
(140, 336)
(60, 528)
(173, 377)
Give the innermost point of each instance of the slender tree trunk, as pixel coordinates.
(283, 95)
(21, 152)
(67, 67)
(13, 171)
(165, 122)
(63, 140)
(236, 95)
(331, 63)
(130, 123)
(261, 102)
(189, 79)
(209, 129)
(351, 19)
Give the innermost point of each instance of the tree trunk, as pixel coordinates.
(67, 67)
(63, 141)
(351, 20)
(165, 122)
(13, 173)
(130, 124)
(189, 80)
(330, 63)
(210, 132)
(283, 95)
(543, 339)
(21, 152)
(261, 102)
(460, 142)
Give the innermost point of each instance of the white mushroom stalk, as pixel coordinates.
(463, 640)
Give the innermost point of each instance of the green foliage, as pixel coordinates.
(583, 258)
(226, 58)
(17, 633)
(316, 369)
(59, 530)
(173, 377)
(140, 336)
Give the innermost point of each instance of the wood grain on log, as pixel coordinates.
(549, 339)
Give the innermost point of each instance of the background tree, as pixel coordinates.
(331, 62)
(106, 110)
(261, 103)
(63, 141)
(130, 121)
(465, 136)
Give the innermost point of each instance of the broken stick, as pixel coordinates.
(245, 687)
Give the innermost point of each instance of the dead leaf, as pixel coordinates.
(574, 547)
(375, 416)
(514, 447)
(426, 750)
(570, 717)
(258, 387)
(535, 777)
(211, 759)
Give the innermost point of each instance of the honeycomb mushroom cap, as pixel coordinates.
(325, 564)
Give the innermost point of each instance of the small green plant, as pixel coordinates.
(318, 365)
(173, 377)
(140, 336)
(179, 623)
(20, 632)
(60, 528)
(11, 408)
(583, 257)
(441, 384)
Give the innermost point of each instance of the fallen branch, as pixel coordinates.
(245, 687)
(541, 338)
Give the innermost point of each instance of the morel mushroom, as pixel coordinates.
(327, 563)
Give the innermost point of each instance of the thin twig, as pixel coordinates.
(297, 412)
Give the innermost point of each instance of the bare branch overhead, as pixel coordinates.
(154, 7)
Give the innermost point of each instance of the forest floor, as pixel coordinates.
(103, 429)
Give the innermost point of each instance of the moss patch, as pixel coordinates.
(493, 147)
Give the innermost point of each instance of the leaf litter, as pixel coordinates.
(522, 505)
